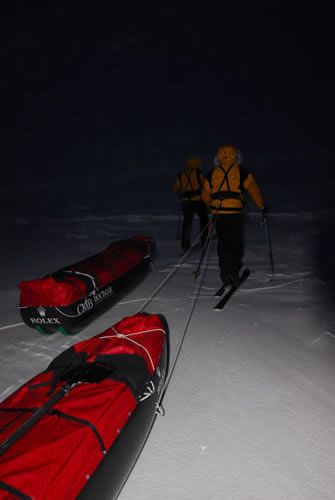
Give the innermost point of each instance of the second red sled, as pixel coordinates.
(68, 299)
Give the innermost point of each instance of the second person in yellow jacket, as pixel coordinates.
(189, 184)
(224, 192)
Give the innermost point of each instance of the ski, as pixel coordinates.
(222, 302)
(220, 291)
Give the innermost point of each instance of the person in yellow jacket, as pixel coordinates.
(224, 192)
(189, 184)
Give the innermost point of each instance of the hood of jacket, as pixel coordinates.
(227, 156)
(192, 162)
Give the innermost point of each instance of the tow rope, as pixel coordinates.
(203, 266)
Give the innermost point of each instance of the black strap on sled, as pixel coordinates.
(82, 422)
(72, 368)
(59, 414)
(43, 410)
(13, 491)
(10, 422)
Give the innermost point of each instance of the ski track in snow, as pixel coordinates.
(6, 327)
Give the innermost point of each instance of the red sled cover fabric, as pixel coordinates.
(106, 266)
(55, 458)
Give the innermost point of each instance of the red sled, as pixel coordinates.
(70, 298)
(78, 427)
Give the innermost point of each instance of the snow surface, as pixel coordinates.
(250, 407)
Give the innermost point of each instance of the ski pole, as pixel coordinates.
(207, 243)
(269, 244)
(179, 221)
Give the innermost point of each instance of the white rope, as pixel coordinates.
(173, 271)
(136, 333)
(67, 315)
(126, 336)
(200, 281)
(83, 274)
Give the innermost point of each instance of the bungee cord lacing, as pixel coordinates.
(127, 336)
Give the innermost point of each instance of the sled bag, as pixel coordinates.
(57, 427)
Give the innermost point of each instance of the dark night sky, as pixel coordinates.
(109, 99)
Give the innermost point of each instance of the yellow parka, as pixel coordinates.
(190, 181)
(228, 181)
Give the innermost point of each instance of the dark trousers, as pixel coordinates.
(190, 208)
(230, 248)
